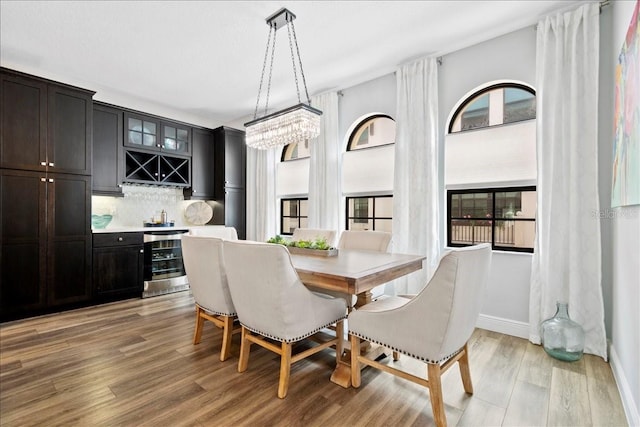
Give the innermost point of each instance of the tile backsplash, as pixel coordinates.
(141, 203)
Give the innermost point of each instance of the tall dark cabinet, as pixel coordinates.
(107, 150)
(230, 159)
(202, 166)
(45, 195)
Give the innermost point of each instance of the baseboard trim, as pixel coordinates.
(504, 326)
(630, 408)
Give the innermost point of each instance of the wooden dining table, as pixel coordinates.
(353, 272)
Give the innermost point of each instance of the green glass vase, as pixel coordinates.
(562, 338)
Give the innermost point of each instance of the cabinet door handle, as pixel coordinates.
(43, 179)
(120, 239)
(194, 191)
(156, 174)
(158, 145)
(43, 163)
(163, 175)
(50, 179)
(51, 164)
(141, 251)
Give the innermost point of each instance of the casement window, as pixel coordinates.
(504, 217)
(293, 214)
(369, 213)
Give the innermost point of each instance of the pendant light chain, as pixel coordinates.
(304, 81)
(273, 52)
(293, 59)
(264, 66)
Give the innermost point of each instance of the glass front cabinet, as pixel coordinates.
(149, 133)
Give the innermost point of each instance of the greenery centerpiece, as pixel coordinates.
(317, 246)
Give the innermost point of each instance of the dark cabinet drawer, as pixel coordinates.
(101, 240)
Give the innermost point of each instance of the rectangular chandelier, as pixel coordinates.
(294, 124)
(298, 123)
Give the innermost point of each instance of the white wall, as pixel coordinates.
(624, 228)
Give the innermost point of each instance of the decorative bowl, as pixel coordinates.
(100, 221)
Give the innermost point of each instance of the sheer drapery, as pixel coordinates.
(261, 194)
(567, 255)
(324, 167)
(416, 202)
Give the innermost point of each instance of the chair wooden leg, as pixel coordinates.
(285, 370)
(465, 373)
(197, 335)
(355, 364)
(340, 341)
(245, 348)
(227, 332)
(435, 393)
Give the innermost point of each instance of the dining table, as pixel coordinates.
(353, 272)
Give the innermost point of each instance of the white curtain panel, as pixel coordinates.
(415, 189)
(566, 260)
(324, 167)
(261, 194)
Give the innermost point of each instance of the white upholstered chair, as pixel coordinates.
(313, 234)
(204, 264)
(219, 231)
(273, 305)
(378, 241)
(434, 326)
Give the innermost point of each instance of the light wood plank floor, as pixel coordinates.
(133, 363)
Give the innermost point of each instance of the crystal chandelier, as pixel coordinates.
(294, 124)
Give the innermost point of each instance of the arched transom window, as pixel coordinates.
(495, 105)
(372, 132)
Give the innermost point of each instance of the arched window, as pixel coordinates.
(495, 105)
(373, 131)
(295, 151)
(490, 168)
(368, 174)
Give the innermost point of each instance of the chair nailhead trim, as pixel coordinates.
(404, 352)
(218, 313)
(292, 339)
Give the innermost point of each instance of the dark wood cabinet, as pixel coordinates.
(69, 134)
(202, 166)
(45, 126)
(118, 262)
(23, 122)
(45, 193)
(23, 242)
(230, 156)
(46, 241)
(107, 150)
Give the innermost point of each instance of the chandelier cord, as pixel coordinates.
(264, 66)
(293, 59)
(304, 81)
(273, 52)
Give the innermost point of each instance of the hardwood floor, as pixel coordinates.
(133, 363)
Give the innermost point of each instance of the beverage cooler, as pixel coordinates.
(163, 266)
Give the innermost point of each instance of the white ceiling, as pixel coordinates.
(200, 61)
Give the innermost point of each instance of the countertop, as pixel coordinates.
(133, 229)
